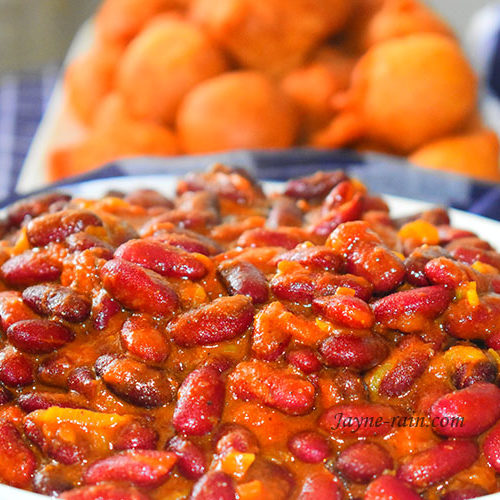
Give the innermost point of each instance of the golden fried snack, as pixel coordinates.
(243, 109)
(312, 86)
(474, 153)
(405, 92)
(115, 135)
(270, 35)
(162, 64)
(89, 78)
(118, 21)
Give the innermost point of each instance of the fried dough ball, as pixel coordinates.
(89, 78)
(162, 64)
(404, 93)
(118, 21)
(242, 109)
(312, 86)
(270, 35)
(115, 135)
(474, 153)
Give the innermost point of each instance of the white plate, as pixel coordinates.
(485, 228)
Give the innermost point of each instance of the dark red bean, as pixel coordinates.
(235, 437)
(24, 210)
(54, 370)
(16, 369)
(30, 267)
(328, 284)
(243, 278)
(295, 286)
(305, 360)
(466, 374)
(416, 261)
(78, 242)
(83, 381)
(163, 259)
(190, 241)
(277, 481)
(214, 485)
(320, 486)
(389, 487)
(445, 271)
(32, 401)
(491, 447)
(5, 395)
(104, 309)
(106, 491)
(39, 336)
(309, 446)
(148, 198)
(346, 310)
(221, 319)
(363, 462)
(314, 186)
(200, 402)
(191, 460)
(438, 463)
(51, 299)
(469, 255)
(316, 257)
(472, 491)
(262, 237)
(284, 212)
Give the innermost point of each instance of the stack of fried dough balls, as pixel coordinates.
(169, 77)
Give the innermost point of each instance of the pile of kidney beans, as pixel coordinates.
(229, 345)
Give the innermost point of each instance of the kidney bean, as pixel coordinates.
(295, 286)
(54, 370)
(234, 437)
(470, 254)
(199, 201)
(468, 321)
(38, 336)
(465, 493)
(272, 387)
(466, 374)
(277, 480)
(34, 206)
(465, 408)
(438, 463)
(31, 401)
(103, 311)
(341, 386)
(189, 241)
(320, 486)
(328, 284)
(316, 257)
(51, 299)
(339, 195)
(136, 436)
(78, 242)
(309, 446)
(243, 278)
(269, 340)
(16, 369)
(361, 351)
(408, 311)
(415, 263)
(18, 461)
(449, 235)
(437, 216)
(105, 491)
(305, 360)
(222, 319)
(148, 198)
(30, 267)
(144, 468)
(444, 271)
(59, 225)
(13, 309)
(284, 212)
(164, 259)
(142, 339)
(360, 420)
(137, 288)
(364, 255)
(135, 382)
(214, 485)
(5, 395)
(262, 237)
(348, 311)
(386, 487)
(200, 402)
(191, 460)
(491, 447)
(314, 186)
(363, 462)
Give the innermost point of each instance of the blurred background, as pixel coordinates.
(34, 33)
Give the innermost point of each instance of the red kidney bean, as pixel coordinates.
(363, 462)
(235, 437)
(31, 401)
(136, 436)
(199, 202)
(284, 212)
(438, 463)
(328, 284)
(366, 256)
(5, 395)
(358, 420)
(51, 299)
(463, 411)
(314, 186)
(222, 319)
(416, 261)
(200, 402)
(451, 234)
(296, 286)
(104, 309)
(83, 381)
(34, 206)
(145, 468)
(54, 370)
(320, 486)
(105, 491)
(465, 493)
(191, 460)
(277, 481)
(444, 271)
(468, 321)
(348, 211)
(262, 237)
(309, 446)
(339, 195)
(408, 311)
(190, 241)
(30, 267)
(163, 259)
(305, 360)
(491, 447)
(348, 311)
(272, 387)
(469, 255)
(316, 257)
(437, 216)
(469, 373)
(137, 288)
(148, 198)
(243, 278)
(18, 461)
(16, 369)
(214, 485)
(78, 242)
(389, 487)
(39, 336)
(59, 225)
(135, 382)
(13, 309)
(269, 340)
(362, 351)
(142, 339)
